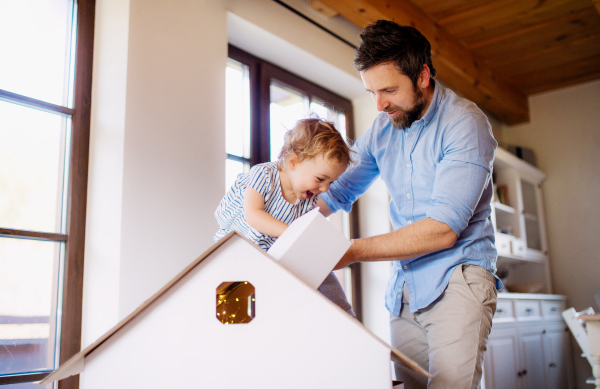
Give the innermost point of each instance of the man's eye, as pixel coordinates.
(319, 179)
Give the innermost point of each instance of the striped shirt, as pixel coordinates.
(264, 178)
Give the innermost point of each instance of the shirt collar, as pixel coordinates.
(435, 102)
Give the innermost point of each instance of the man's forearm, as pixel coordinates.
(417, 239)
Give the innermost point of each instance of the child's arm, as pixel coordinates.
(256, 216)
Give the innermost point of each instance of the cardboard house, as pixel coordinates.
(276, 332)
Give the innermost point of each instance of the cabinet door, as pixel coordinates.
(533, 218)
(556, 352)
(531, 348)
(501, 360)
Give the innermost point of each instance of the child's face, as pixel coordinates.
(312, 177)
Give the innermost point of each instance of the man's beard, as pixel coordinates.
(404, 119)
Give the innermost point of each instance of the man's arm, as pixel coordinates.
(460, 179)
(422, 237)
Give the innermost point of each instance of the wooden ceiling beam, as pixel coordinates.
(596, 4)
(457, 66)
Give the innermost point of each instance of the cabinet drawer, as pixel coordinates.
(518, 247)
(503, 244)
(552, 309)
(504, 311)
(528, 310)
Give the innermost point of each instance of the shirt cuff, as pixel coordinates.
(449, 216)
(333, 204)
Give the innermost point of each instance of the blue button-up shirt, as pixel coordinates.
(439, 168)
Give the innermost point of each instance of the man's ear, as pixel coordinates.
(424, 77)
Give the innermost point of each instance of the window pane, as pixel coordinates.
(232, 170)
(237, 109)
(287, 107)
(28, 297)
(35, 42)
(32, 157)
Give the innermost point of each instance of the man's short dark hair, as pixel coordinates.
(404, 46)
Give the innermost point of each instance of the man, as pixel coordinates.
(434, 152)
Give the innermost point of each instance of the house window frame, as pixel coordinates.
(261, 73)
(74, 238)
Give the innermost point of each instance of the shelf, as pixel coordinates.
(531, 217)
(517, 259)
(501, 207)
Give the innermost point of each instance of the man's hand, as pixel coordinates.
(348, 258)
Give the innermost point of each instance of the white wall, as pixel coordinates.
(564, 133)
(157, 139)
(105, 185)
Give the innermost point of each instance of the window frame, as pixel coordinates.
(261, 74)
(74, 239)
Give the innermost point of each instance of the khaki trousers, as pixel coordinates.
(449, 337)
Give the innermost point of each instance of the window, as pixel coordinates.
(235, 302)
(262, 102)
(45, 90)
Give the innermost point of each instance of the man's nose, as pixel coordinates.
(381, 102)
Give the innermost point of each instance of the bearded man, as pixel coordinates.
(434, 151)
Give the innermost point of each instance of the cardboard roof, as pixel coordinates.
(75, 364)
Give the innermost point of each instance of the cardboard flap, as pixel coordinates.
(310, 248)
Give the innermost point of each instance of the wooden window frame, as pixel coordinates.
(70, 339)
(261, 73)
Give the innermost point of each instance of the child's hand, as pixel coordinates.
(256, 216)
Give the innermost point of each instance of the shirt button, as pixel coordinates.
(405, 267)
(408, 195)
(408, 165)
(410, 222)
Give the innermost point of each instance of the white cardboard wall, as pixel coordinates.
(298, 339)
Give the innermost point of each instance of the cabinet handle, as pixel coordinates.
(552, 364)
(522, 373)
(500, 310)
(544, 332)
(553, 309)
(525, 372)
(529, 311)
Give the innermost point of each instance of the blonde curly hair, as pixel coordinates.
(312, 137)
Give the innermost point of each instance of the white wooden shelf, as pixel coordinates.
(502, 207)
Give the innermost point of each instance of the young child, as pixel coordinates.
(262, 203)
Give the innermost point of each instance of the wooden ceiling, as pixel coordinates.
(496, 52)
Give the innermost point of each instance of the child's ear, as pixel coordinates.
(292, 161)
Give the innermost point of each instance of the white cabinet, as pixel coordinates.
(531, 351)
(501, 363)
(557, 354)
(518, 217)
(529, 345)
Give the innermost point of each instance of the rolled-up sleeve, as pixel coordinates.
(357, 179)
(463, 172)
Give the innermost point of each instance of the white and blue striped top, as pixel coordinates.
(264, 178)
